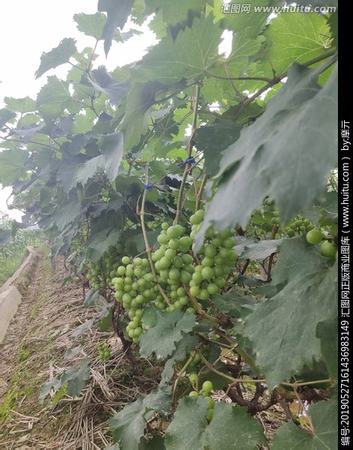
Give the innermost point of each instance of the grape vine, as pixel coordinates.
(188, 187)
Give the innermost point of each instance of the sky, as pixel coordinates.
(30, 27)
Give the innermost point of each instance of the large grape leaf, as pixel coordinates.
(57, 56)
(128, 425)
(53, 97)
(231, 428)
(283, 329)
(11, 165)
(273, 158)
(324, 436)
(295, 37)
(138, 102)
(168, 331)
(188, 56)
(117, 15)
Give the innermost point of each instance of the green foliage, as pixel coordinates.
(168, 331)
(190, 427)
(128, 425)
(324, 435)
(274, 144)
(180, 186)
(57, 56)
(283, 328)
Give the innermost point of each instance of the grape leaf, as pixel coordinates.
(328, 333)
(53, 97)
(193, 52)
(295, 37)
(11, 165)
(76, 377)
(175, 12)
(57, 56)
(91, 24)
(21, 105)
(102, 81)
(283, 328)
(128, 425)
(168, 331)
(324, 418)
(258, 163)
(183, 347)
(117, 15)
(256, 250)
(246, 432)
(189, 428)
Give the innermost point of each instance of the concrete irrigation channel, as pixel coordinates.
(12, 290)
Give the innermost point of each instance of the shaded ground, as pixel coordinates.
(44, 328)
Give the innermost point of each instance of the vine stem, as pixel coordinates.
(262, 380)
(190, 146)
(147, 245)
(199, 308)
(200, 192)
(280, 77)
(181, 373)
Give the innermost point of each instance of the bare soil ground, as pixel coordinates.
(43, 330)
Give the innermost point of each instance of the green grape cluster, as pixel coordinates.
(327, 247)
(104, 352)
(101, 273)
(217, 258)
(205, 391)
(174, 266)
(135, 287)
(298, 226)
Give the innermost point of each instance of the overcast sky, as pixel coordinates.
(29, 27)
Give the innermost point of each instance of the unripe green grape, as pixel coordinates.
(164, 263)
(220, 282)
(178, 262)
(197, 277)
(193, 394)
(173, 243)
(328, 249)
(170, 253)
(314, 237)
(195, 291)
(174, 274)
(187, 259)
(211, 403)
(125, 260)
(185, 243)
(185, 277)
(210, 251)
(163, 238)
(183, 300)
(165, 226)
(203, 294)
(207, 387)
(212, 289)
(193, 378)
(207, 261)
(175, 231)
(207, 273)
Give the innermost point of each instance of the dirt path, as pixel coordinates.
(43, 330)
